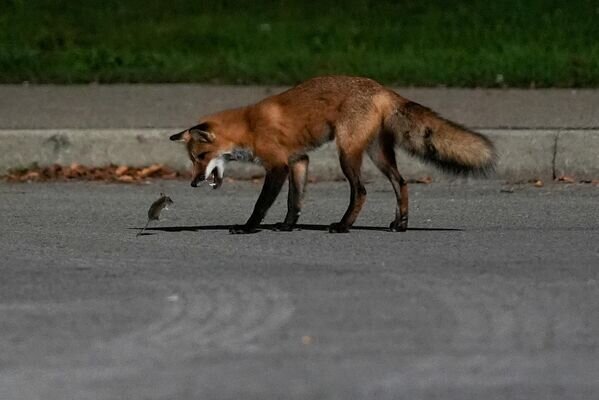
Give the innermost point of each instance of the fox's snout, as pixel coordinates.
(197, 179)
(198, 173)
(215, 175)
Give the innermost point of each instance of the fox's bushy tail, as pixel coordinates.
(443, 143)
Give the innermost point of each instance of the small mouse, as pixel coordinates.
(155, 209)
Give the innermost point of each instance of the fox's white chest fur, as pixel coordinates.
(219, 161)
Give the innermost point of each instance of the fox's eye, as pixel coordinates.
(202, 155)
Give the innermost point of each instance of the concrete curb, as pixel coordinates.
(523, 154)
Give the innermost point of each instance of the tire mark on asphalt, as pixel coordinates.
(495, 313)
(507, 333)
(217, 316)
(198, 319)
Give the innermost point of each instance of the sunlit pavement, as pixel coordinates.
(493, 293)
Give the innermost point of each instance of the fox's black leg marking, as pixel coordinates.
(298, 178)
(351, 166)
(382, 153)
(273, 182)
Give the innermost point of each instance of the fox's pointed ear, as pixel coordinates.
(201, 135)
(180, 136)
(198, 133)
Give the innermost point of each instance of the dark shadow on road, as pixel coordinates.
(303, 227)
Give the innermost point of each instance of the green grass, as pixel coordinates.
(485, 43)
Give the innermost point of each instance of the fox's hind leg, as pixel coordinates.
(298, 178)
(351, 165)
(382, 153)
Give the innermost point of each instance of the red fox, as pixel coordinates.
(359, 114)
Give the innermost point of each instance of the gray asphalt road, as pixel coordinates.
(168, 106)
(490, 295)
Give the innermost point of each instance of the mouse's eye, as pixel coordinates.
(202, 155)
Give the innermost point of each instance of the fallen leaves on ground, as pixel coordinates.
(567, 179)
(540, 183)
(424, 179)
(307, 340)
(111, 173)
(128, 174)
(571, 179)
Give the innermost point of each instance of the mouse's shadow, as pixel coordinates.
(271, 227)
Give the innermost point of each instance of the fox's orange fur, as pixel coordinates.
(359, 114)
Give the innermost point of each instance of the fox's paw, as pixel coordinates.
(283, 227)
(398, 226)
(241, 229)
(338, 227)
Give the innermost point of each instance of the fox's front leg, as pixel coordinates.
(273, 182)
(298, 178)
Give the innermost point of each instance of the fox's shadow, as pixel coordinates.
(302, 227)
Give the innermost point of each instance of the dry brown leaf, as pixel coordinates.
(125, 178)
(121, 170)
(77, 169)
(149, 171)
(52, 171)
(566, 179)
(172, 175)
(307, 340)
(31, 176)
(424, 179)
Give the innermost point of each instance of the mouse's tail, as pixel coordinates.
(143, 229)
